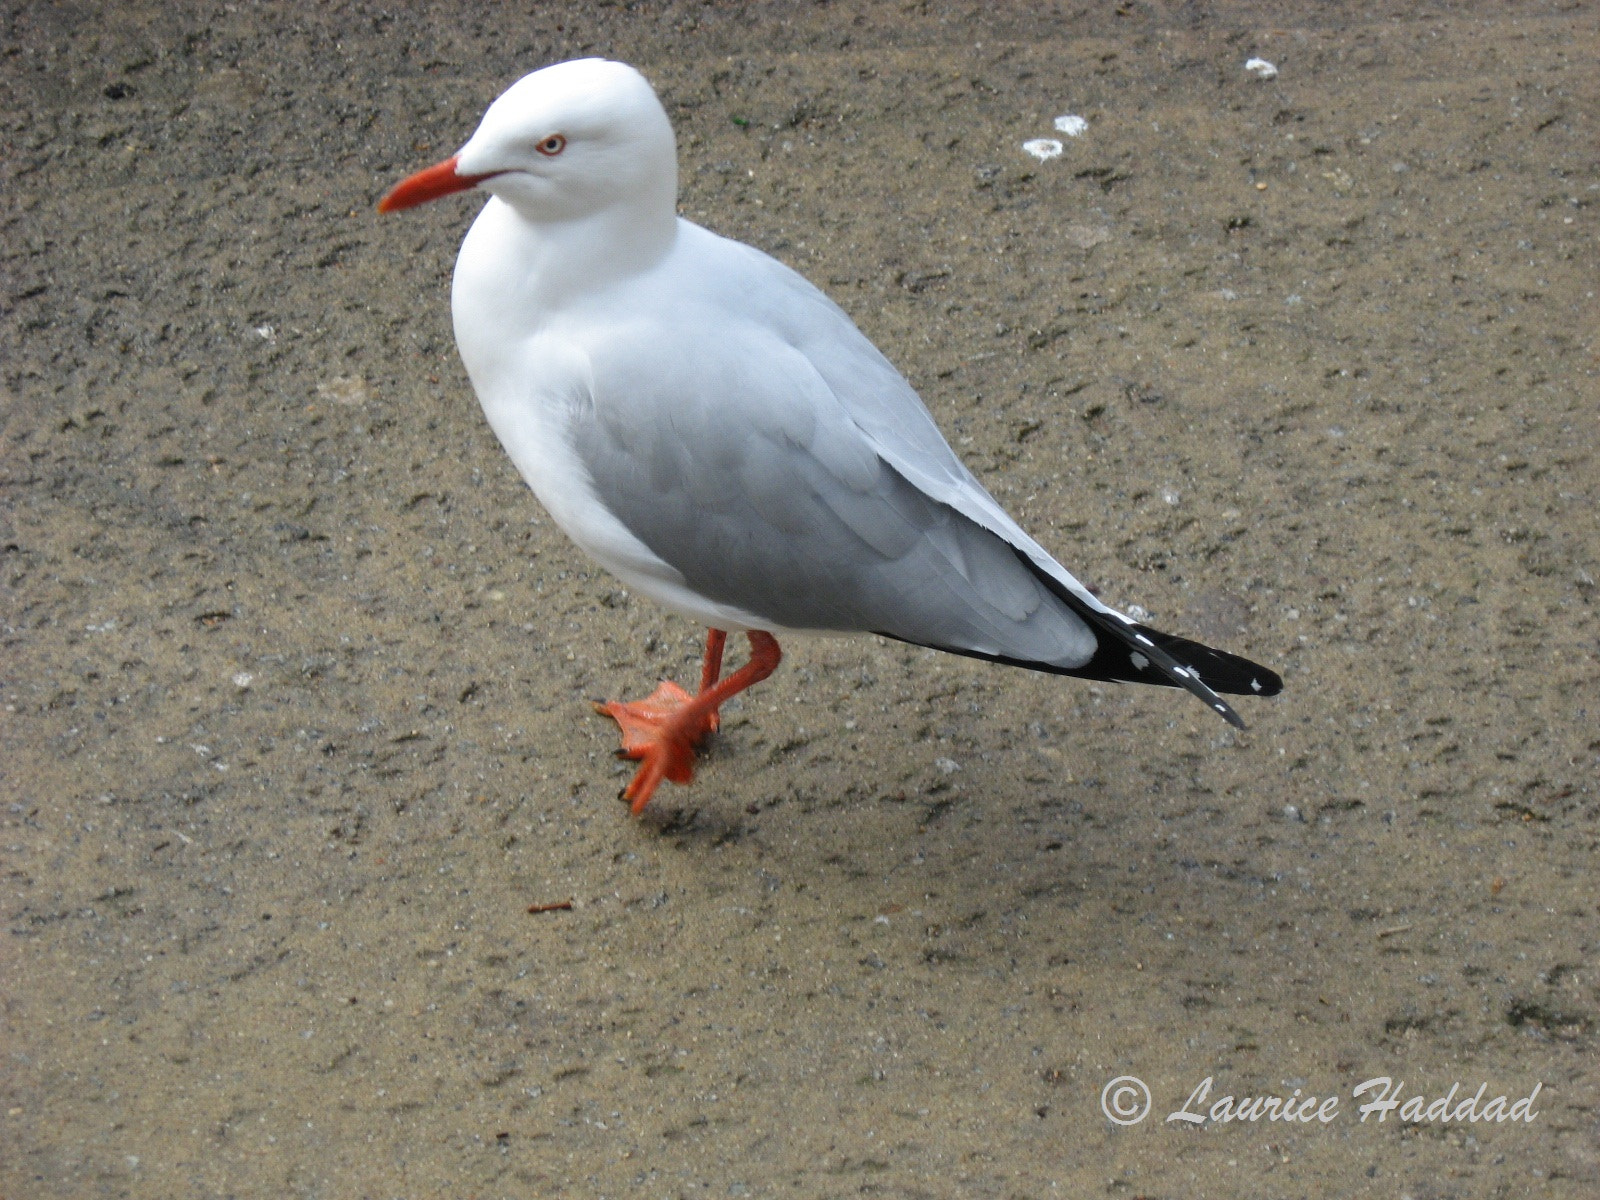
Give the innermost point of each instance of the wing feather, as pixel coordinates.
(782, 466)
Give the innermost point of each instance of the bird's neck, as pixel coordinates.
(515, 278)
(550, 264)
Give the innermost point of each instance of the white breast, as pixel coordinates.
(525, 359)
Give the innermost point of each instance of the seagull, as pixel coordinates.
(718, 434)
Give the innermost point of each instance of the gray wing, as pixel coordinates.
(900, 429)
(783, 466)
(881, 403)
(738, 464)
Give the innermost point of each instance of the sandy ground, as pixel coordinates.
(296, 672)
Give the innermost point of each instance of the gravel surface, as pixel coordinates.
(295, 673)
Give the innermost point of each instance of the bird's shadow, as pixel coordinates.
(708, 825)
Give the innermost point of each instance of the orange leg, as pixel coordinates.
(711, 670)
(663, 729)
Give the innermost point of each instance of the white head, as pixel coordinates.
(564, 143)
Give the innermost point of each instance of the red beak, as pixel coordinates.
(438, 180)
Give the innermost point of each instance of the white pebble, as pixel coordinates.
(1042, 148)
(1262, 68)
(1071, 125)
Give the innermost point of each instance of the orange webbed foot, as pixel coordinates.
(661, 731)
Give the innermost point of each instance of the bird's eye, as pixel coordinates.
(552, 145)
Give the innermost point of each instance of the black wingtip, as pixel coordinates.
(1127, 652)
(1230, 674)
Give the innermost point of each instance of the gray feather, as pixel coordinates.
(738, 462)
